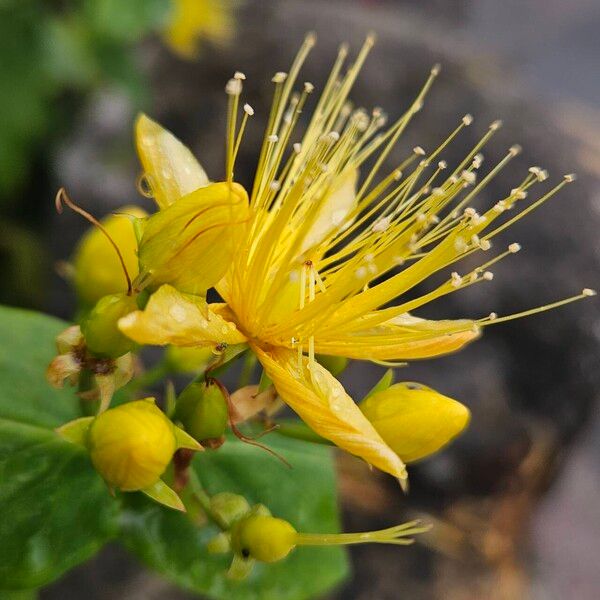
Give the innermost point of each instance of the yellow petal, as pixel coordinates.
(178, 319)
(170, 167)
(401, 338)
(321, 401)
(415, 421)
(190, 244)
(334, 210)
(98, 271)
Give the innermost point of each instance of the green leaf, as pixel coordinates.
(56, 510)
(18, 594)
(304, 495)
(26, 350)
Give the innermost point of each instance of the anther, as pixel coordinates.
(496, 125)
(233, 87)
(272, 138)
(248, 110)
(308, 87)
(488, 276)
(515, 149)
(588, 292)
(419, 151)
(514, 248)
(297, 147)
(381, 225)
(279, 77)
(239, 75)
(442, 164)
(492, 316)
(467, 119)
(456, 279)
(468, 176)
(570, 177)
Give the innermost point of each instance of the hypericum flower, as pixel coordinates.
(328, 261)
(131, 446)
(193, 20)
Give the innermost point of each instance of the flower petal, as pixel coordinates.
(170, 167)
(321, 401)
(401, 338)
(179, 319)
(415, 420)
(333, 211)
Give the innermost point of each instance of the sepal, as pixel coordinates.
(185, 440)
(163, 494)
(76, 431)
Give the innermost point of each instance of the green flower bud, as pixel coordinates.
(132, 444)
(102, 336)
(263, 538)
(203, 411)
(334, 364)
(182, 359)
(229, 507)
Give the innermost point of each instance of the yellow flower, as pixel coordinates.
(192, 20)
(414, 420)
(329, 261)
(98, 270)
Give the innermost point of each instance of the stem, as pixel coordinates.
(204, 500)
(150, 377)
(247, 369)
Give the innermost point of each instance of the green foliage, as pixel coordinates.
(48, 50)
(303, 495)
(57, 512)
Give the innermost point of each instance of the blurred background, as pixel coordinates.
(515, 500)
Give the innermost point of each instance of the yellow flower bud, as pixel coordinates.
(263, 538)
(202, 409)
(99, 328)
(98, 271)
(132, 444)
(415, 421)
(189, 244)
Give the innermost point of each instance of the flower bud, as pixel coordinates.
(98, 271)
(203, 411)
(199, 230)
(132, 444)
(102, 336)
(414, 421)
(263, 538)
(229, 507)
